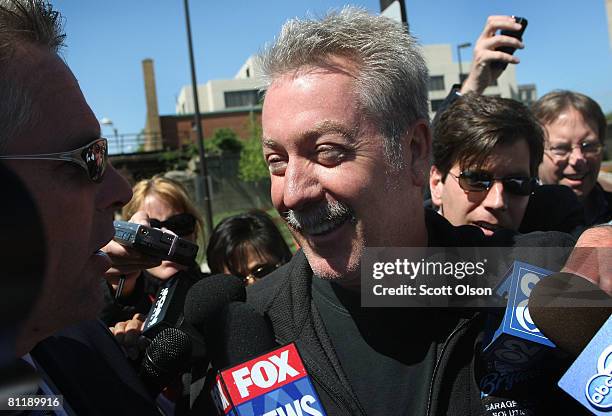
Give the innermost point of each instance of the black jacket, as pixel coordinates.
(285, 298)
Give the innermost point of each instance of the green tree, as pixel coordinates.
(225, 140)
(252, 166)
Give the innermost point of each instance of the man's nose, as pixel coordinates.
(576, 157)
(114, 190)
(496, 198)
(302, 185)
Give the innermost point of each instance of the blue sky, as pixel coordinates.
(566, 43)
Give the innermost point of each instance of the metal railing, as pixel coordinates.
(131, 143)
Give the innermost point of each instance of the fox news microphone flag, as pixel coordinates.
(275, 383)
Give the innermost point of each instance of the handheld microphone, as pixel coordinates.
(258, 383)
(167, 356)
(576, 315)
(207, 298)
(518, 341)
(569, 310)
(275, 383)
(245, 334)
(167, 312)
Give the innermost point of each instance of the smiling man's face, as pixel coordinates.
(578, 170)
(330, 175)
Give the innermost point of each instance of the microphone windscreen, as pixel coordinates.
(245, 334)
(167, 356)
(207, 298)
(569, 310)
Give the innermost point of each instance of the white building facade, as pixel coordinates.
(243, 90)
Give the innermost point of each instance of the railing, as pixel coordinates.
(134, 143)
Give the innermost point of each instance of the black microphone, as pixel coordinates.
(245, 334)
(569, 310)
(207, 298)
(168, 355)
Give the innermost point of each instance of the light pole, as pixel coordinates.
(198, 123)
(108, 122)
(459, 47)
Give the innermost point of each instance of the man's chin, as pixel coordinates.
(340, 269)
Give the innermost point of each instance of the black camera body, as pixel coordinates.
(155, 242)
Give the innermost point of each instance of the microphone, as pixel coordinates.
(517, 342)
(207, 298)
(245, 335)
(569, 310)
(167, 312)
(577, 315)
(166, 357)
(258, 383)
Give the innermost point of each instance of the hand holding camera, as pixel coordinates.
(494, 50)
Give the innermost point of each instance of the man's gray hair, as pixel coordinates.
(22, 22)
(392, 76)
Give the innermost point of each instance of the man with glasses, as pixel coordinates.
(486, 152)
(50, 138)
(575, 129)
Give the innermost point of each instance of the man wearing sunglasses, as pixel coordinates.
(50, 138)
(486, 152)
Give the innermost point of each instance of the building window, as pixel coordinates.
(246, 98)
(436, 83)
(435, 105)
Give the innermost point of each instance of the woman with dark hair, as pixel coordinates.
(247, 245)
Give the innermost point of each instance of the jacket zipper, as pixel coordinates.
(439, 360)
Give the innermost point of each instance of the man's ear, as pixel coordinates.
(420, 151)
(436, 186)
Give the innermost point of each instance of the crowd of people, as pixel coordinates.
(348, 142)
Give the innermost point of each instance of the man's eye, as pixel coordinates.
(276, 164)
(330, 155)
(560, 149)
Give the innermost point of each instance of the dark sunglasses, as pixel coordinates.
(479, 181)
(261, 272)
(182, 224)
(92, 157)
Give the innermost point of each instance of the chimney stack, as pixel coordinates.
(153, 139)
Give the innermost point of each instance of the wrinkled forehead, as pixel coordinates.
(57, 117)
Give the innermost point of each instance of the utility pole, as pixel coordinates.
(198, 123)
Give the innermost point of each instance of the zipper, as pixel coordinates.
(439, 360)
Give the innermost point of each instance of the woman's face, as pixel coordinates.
(157, 208)
(257, 265)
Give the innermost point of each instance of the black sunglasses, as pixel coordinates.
(92, 157)
(480, 181)
(182, 224)
(260, 272)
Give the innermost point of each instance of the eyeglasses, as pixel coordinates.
(92, 157)
(182, 224)
(588, 148)
(260, 272)
(480, 181)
